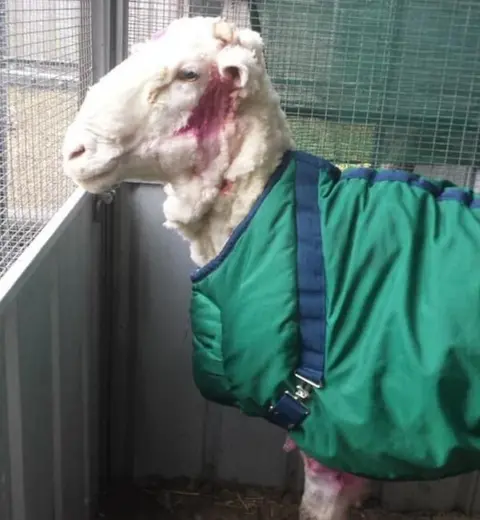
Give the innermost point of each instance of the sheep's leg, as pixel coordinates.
(321, 499)
(327, 494)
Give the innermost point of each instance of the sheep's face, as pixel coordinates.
(166, 109)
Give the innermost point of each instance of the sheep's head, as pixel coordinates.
(168, 111)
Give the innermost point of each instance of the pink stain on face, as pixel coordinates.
(214, 110)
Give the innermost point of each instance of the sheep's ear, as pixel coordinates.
(251, 40)
(239, 65)
(232, 63)
(242, 58)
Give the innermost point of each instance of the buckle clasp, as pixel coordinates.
(290, 410)
(304, 387)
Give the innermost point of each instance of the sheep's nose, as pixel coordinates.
(76, 152)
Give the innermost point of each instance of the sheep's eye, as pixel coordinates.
(188, 75)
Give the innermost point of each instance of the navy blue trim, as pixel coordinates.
(445, 191)
(425, 184)
(204, 271)
(310, 267)
(463, 196)
(360, 173)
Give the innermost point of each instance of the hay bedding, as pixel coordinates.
(184, 499)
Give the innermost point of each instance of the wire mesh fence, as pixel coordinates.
(377, 82)
(45, 69)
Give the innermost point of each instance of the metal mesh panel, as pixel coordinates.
(45, 68)
(382, 82)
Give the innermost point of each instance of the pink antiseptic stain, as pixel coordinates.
(214, 110)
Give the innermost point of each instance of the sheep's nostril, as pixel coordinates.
(79, 151)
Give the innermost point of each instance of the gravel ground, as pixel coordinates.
(186, 500)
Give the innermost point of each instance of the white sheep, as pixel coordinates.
(194, 109)
(203, 119)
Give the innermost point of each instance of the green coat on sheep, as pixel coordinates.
(366, 284)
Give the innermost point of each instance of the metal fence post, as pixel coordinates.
(120, 41)
(4, 121)
(121, 422)
(109, 35)
(100, 37)
(100, 47)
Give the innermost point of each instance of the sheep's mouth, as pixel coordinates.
(97, 183)
(93, 169)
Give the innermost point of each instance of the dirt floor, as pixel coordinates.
(182, 500)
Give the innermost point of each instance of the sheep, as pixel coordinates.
(203, 120)
(194, 110)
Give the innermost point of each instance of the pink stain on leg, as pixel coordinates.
(350, 485)
(349, 488)
(289, 445)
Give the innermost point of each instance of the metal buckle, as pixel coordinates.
(290, 410)
(304, 388)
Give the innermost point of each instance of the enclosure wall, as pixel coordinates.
(49, 362)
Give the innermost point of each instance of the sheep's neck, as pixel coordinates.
(255, 159)
(227, 213)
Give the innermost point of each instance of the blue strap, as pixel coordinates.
(310, 269)
(289, 412)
